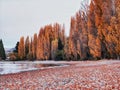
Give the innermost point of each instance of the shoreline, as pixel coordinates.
(79, 75)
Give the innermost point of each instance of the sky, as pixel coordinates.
(26, 17)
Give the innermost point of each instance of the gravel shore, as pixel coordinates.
(87, 75)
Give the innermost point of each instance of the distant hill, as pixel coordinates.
(9, 50)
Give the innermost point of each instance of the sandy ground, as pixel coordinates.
(88, 75)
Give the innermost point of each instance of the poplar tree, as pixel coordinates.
(34, 46)
(27, 42)
(21, 49)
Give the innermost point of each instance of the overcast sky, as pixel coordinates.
(25, 17)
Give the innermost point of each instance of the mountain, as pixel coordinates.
(9, 50)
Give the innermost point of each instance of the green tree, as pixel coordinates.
(60, 45)
(2, 51)
(16, 48)
(59, 55)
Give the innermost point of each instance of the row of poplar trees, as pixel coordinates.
(47, 45)
(94, 34)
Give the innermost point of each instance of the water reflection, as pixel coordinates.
(14, 67)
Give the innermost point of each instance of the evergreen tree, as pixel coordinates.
(16, 48)
(2, 51)
(60, 45)
(59, 53)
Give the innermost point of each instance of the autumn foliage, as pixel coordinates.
(94, 34)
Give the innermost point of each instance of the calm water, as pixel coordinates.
(14, 67)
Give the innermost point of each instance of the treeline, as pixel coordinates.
(47, 45)
(94, 34)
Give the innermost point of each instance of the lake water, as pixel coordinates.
(15, 67)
